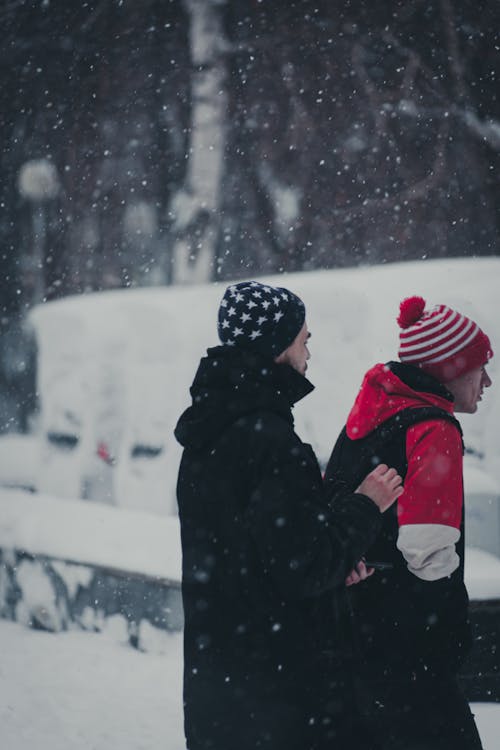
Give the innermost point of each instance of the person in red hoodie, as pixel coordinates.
(411, 617)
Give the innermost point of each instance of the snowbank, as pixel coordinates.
(19, 460)
(91, 533)
(137, 542)
(482, 574)
(115, 369)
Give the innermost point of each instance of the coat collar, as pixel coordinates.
(231, 383)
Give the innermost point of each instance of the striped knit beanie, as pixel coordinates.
(440, 341)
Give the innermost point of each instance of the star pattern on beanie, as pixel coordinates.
(267, 317)
(246, 308)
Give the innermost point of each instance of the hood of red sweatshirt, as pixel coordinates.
(383, 393)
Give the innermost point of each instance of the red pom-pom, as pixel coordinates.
(410, 310)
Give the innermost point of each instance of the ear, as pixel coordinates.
(282, 359)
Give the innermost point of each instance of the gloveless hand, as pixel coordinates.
(382, 485)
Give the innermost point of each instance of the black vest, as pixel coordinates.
(400, 623)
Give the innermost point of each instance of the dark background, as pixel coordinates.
(349, 133)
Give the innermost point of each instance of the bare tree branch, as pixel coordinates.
(454, 56)
(488, 131)
(415, 192)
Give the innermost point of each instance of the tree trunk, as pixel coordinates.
(194, 208)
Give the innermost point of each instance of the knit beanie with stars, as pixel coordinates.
(440, 341)
(260, 317)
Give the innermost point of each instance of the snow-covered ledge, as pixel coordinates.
(140, 544)
(85, 565)
(88, 532)
(77, 564)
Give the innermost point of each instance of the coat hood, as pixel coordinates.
(231, 383)
(390, 388)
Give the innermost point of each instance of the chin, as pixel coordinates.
(464, 409)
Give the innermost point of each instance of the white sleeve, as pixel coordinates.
(429, 549)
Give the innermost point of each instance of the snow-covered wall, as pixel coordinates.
(139, 544)
(129, 541)
(115, 370)
(79, 565)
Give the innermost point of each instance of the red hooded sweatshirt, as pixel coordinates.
(430, 509)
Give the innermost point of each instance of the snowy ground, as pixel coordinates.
(80, 691)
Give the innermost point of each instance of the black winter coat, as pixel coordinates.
(263, 550)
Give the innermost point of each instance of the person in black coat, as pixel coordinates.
(264, 547)
(411, 618)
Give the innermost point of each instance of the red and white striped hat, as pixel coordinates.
(441, 341)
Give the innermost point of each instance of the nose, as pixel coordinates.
(486, 380)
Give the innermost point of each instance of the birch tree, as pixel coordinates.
(194, 208)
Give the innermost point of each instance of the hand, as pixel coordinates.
(383, 486)
(359, 573)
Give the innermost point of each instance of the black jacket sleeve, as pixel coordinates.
(306, 543)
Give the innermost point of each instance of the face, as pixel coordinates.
(297, 353)
(467, 389)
